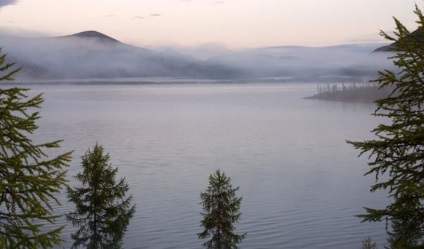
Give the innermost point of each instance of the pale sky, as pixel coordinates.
(233, 23)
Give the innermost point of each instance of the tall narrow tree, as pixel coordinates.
(102, 209)
(397, 152)
(368, 243)
(221, 210)
(29, 178)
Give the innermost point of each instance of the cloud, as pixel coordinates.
(7, 2)
(20, 32)
(82, 58)
(109, 15)
(145, 17)
(367, 38)
(139, 17)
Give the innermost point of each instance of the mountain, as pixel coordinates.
(94, 36)
(93, 55)
(342, 63)
(416, 35)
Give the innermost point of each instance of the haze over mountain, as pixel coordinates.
(90, 54)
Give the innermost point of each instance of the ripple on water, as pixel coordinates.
(301, 184)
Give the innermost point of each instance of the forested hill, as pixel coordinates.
(93, 55)
(93, 35)
(417, 35)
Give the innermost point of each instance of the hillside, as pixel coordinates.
(93, 55)
(343, 63)
(94, 36)
(416, 35)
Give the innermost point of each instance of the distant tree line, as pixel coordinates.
(340, 87)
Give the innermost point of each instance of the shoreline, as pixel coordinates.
(368, 94)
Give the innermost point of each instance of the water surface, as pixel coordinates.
(301, 183)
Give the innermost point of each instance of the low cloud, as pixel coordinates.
(368, 38)
(20, 32)
(7, 2)
(108, 16)
(88, 58)
(145, 17)
(139, 17)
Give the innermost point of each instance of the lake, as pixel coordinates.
(301, 183)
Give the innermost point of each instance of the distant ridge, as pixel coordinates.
(93, 35)
(417, 35)
(93, 55)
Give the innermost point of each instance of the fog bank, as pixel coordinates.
(91, 54)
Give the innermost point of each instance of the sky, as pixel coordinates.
(229, 23)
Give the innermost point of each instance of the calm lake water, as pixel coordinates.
(301, 183)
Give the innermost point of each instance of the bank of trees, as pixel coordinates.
(397, 153)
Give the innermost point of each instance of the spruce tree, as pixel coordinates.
(102, 209)
(368, 243)
(221, 210)
(397, 153)
(29, 178)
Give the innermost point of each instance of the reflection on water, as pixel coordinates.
(301, 183)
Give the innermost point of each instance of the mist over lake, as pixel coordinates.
(301, 183)
(94, 55)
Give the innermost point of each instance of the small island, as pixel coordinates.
(355, 92)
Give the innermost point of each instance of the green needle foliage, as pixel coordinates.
(102, 210)
(29, 178)
(221, 210)
(368, 243)
(397, 154)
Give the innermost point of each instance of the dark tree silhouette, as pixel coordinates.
(221, 210)
(102, 209)
(29, 179)
(397, 153)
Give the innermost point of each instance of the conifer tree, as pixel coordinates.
(221, 210)
(102, 209)
(368, 243)
(397, 153)
(29, 178)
